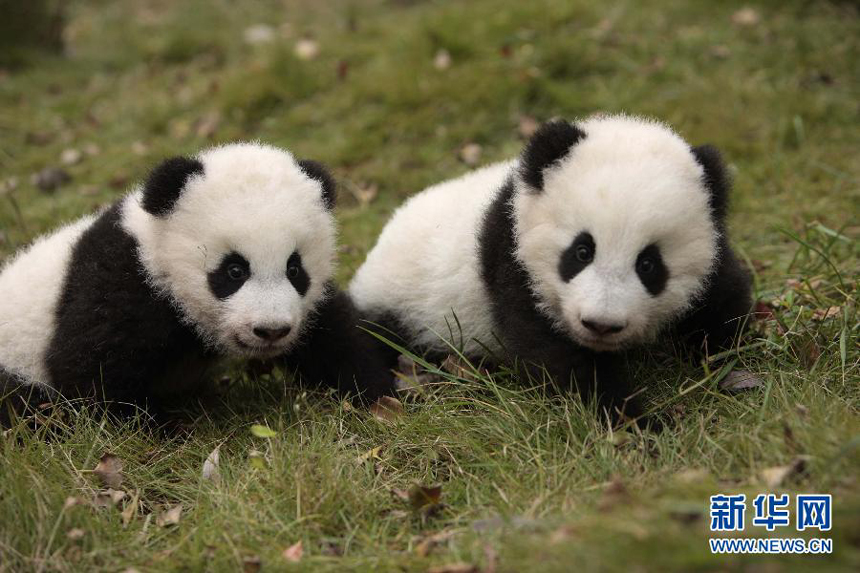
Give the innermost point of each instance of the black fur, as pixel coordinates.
(115, 338)
(721, 313)
(339, 354)
(549, 145)
(226, 281)
(297, 275)
(527, 335)
(317, 171)
(717, 181)
(165, 183)
(651, 270)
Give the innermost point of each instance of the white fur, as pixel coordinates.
(30, 286)
(630, 182)
(425, 265)
(255, 200)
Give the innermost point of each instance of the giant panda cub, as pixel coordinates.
(230, 252)
(603, 234)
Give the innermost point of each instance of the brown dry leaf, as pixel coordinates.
(458, 367)
(426, 545)
(130, 509)
(825, 313)
(210, 466)
(400, 494)
(774, 477)
(109, 470)
(108, 498)
(423, 497)
(442, 60)
(692, 476)
(746, 17)
(208, 125)
(615, 493)
(72, 501)
(458, 567)
(252, 564)
(170, 516)
(307, 49)
(294, 552)
(387, 409)
(364, 193)
(75, 534)
(738, 380)
(470, 154)
(527, 126)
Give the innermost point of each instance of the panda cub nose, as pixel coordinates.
(271, 334)
(602, 327)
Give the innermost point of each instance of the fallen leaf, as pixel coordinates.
(108, 498)
(825, 313)
(422, 497)
(775, 476)
(372, 453)
(746, 17)
(210, 466)
(130, 509)
(342, 69)
(387, 409)
(109, 470)
(72, 502)
(71, 156)
(427, 544)
(208, 125)
(364, 193)
(294, 552)
(169, 517)
(738, 380)
(763, 311)
(442, 60)
(692, 476)
(258, 34)
(251, 564)
(263, 431)
(75, 534)
(470, 154)
(307, 49)
(527, 126)
(458, 567)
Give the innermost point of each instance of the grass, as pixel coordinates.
(528, 482)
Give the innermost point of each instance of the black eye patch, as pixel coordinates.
(230, 275)
(577, 256)
(651, 270)
(297, 275)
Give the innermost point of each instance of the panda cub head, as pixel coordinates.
(242, 240)
(617, 221)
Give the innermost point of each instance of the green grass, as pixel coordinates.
(528, 482)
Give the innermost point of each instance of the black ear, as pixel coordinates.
(316, 170)
(716, 179)
(550, 143)
(165, 184)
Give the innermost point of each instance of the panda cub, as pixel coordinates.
(227, 253)
(603, 234)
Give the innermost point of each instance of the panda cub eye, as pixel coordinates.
(577, 256)
(297, 275)
(236, 272)
(652, 270)
(230, 275)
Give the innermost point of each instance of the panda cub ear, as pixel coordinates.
(165, 183)
(549, 145)
(716, 179)
(317, 171)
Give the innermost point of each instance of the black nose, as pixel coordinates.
(271, 334)
(602, 327)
